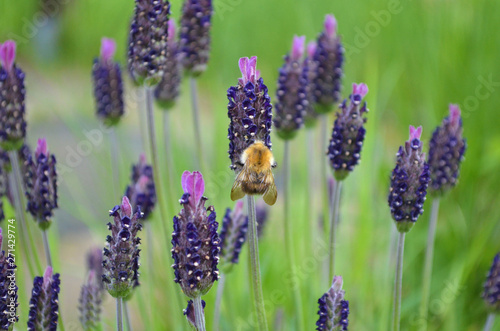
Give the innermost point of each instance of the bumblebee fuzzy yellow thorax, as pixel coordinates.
(258, 157)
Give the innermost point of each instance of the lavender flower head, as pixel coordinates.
(446, 152)
(90, 302)
(8, 290)
(249, 111)
(147, 52)
(291, 95)
(190, 314)
(491, 293)
(141, 192)
(195, 241)
(41, 184)
(195, 35)
(348, 133)
(311, 67)
(12, 94)
(233, 235)
(121, 254)
(329, 57)
(108, 85)
(44, 304)
(409, 182)
(167, 90)
(333, 308)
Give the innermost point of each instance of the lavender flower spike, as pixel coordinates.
(121, 254)
(249, 111)
(44, 304)
(233, 235)
(8, 290)
(195, 35)
(491, 293)
(291, 94)
(141, 192)
(41, 184)
(147, 50)
(90, 302)
(12, 94)
(348, 133)
(329, 58)
(409, 182)
(195, 241)
(333, 308)
(167, 90)
(108, 85)
(446, 152)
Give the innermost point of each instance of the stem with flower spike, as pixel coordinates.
(398, 283)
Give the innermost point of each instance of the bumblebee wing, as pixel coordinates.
(237, 191)
(271, 194)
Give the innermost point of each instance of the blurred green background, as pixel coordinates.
(415, 56)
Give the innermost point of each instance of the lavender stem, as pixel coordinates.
(115, 164)
(198, 314)
(47, 248)
(398, 283)
(127, 316)
(253, 246)
(323, 175)
(489, 322)
(168, 151)
(218, 300)
(119, 320)
(334, 219)
(196, 122)
(429, 256)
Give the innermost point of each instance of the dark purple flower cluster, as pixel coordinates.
(491, 293)
(8, 290)
(446, 152)
(195, 35)
(167, 90)
(44, 304)
(121, 254)
(291, 94)
(141, 192)
(41, 184)
(329, 57)
(409, 182)
(249, 110)
(12, 94)
(108, 84)
(348, 133)
(233, 235)
(148, 41)
(189, 312)
(90, 302)
(195, 241)
(333, 309)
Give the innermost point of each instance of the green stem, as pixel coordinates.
(429, 256)
(220, 292)
(127, 316)
(199, 315)
(196, 122)
(168, 152)
(115, 164)
(46, 248)
(334, 220)
(323, 174)
(398, 283)
(289, 242)
(489, 322)
(253, 246)
(119, 319)
(312, 226)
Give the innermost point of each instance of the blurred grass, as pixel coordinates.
(429, 54)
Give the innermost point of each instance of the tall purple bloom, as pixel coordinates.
(108, 84)
(167, 90)
(249, 111)
(12, 94)
(90, 302)
(491, 293)
(291, 95)
(233, 235)
(41, 184)
(195, 35)
(147, 50)
(329, 58)
(141, 192)
(44, 304)
(121, 254)
(333, 308)
(195, 241)
(409, 182)
(8, 290)
(446, 152)
(311, 66)
(348, 133)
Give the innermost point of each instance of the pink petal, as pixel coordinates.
(415, 133)
(126, 207)
(108, 49)
(142, 159)
(454, 114)
(298, 47)
(171, 30)
(8, 54)
(91, 277)
(47, 276)
(252, 68)
(311, 49)
(193, 184)
(337, 283)
(238, 207)
(243, 64)
(41, 147)
(330, 25)
(361, 89)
